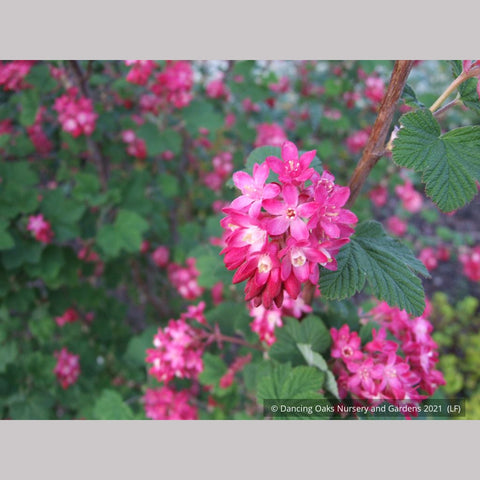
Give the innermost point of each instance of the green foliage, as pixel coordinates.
(384, 263)
(449, 163)
(110, 406)
(124, 234)
(311, 330)
(468, 89)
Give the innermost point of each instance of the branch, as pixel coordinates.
(376, 143)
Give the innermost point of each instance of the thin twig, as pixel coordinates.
(376, 142)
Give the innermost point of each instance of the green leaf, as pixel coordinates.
(8, 354)
(468, 89)
(410, 97)
(228, 315)
(201, 114)
(387, 266)
(29, 101)
(40, 77)
(449, 163)
(285, 382)
(210, 265)
(125, 233)
(314, 359)
(137, 346)
(214, 368)
(110, 406)
(310, 330)
(6, 240)
(159, 141)
(169, 185)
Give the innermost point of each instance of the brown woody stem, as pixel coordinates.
(376, 143)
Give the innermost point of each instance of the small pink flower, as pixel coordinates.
(357, 141)
(397, 226)
(374, 89)
(270, 135)
(470, 259)
(411, 199)
(41, 229)
(160, 256)
(379, 195)
(166, 403)
(429, 258)
(67, 368)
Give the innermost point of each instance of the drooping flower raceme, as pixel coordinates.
(178, 351)
(277, 234)
(67, 368)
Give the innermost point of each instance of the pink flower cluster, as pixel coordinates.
(411, 199)
(470, 260)
(69, 316)
(40, 228)
(397, 226)
(37, 136)
(217, 89)
(175, 83)
(136, 147)
(12, 74)
(357, 141)
(387, 370)
(234, 368)
(75, 114)
(160, 256)
(266, 321)
(166, 403)
(222, 168)
(67, 368)
(374, 89)
(277, 234)
(178, 349)
(184, 279)
(379, 195)
(140, 71)
(270, 134)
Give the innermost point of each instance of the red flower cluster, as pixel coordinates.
(12, 74)
(223, 166)
(41, 229)
(217, 89)
(277, 234)
(184, 279)
(166, 403)
(136, 147)
(140, 71)
(470, 260)
(270, 134)
(75, 114)
(70, 316)
(67, 369)
(178, 348)
(378, 371)
(175, 83)
(37, 136)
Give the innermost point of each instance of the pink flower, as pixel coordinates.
(217, 89)
(379, 195)
(411, 199)
(160, 256)
(140, 71)
(397, 226)
(265, 321)
(136, 147)
(357, 141)
(292, 168)
(67, 368)
(41, 229)
(374, 89)
(70, 316)
(184, 279)
(270, 135)
(166, 403)
(470, 259)
(178, 352)
(75, 114)
(174, 84)
(346, 345)
(12, 74)
(428, 257)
